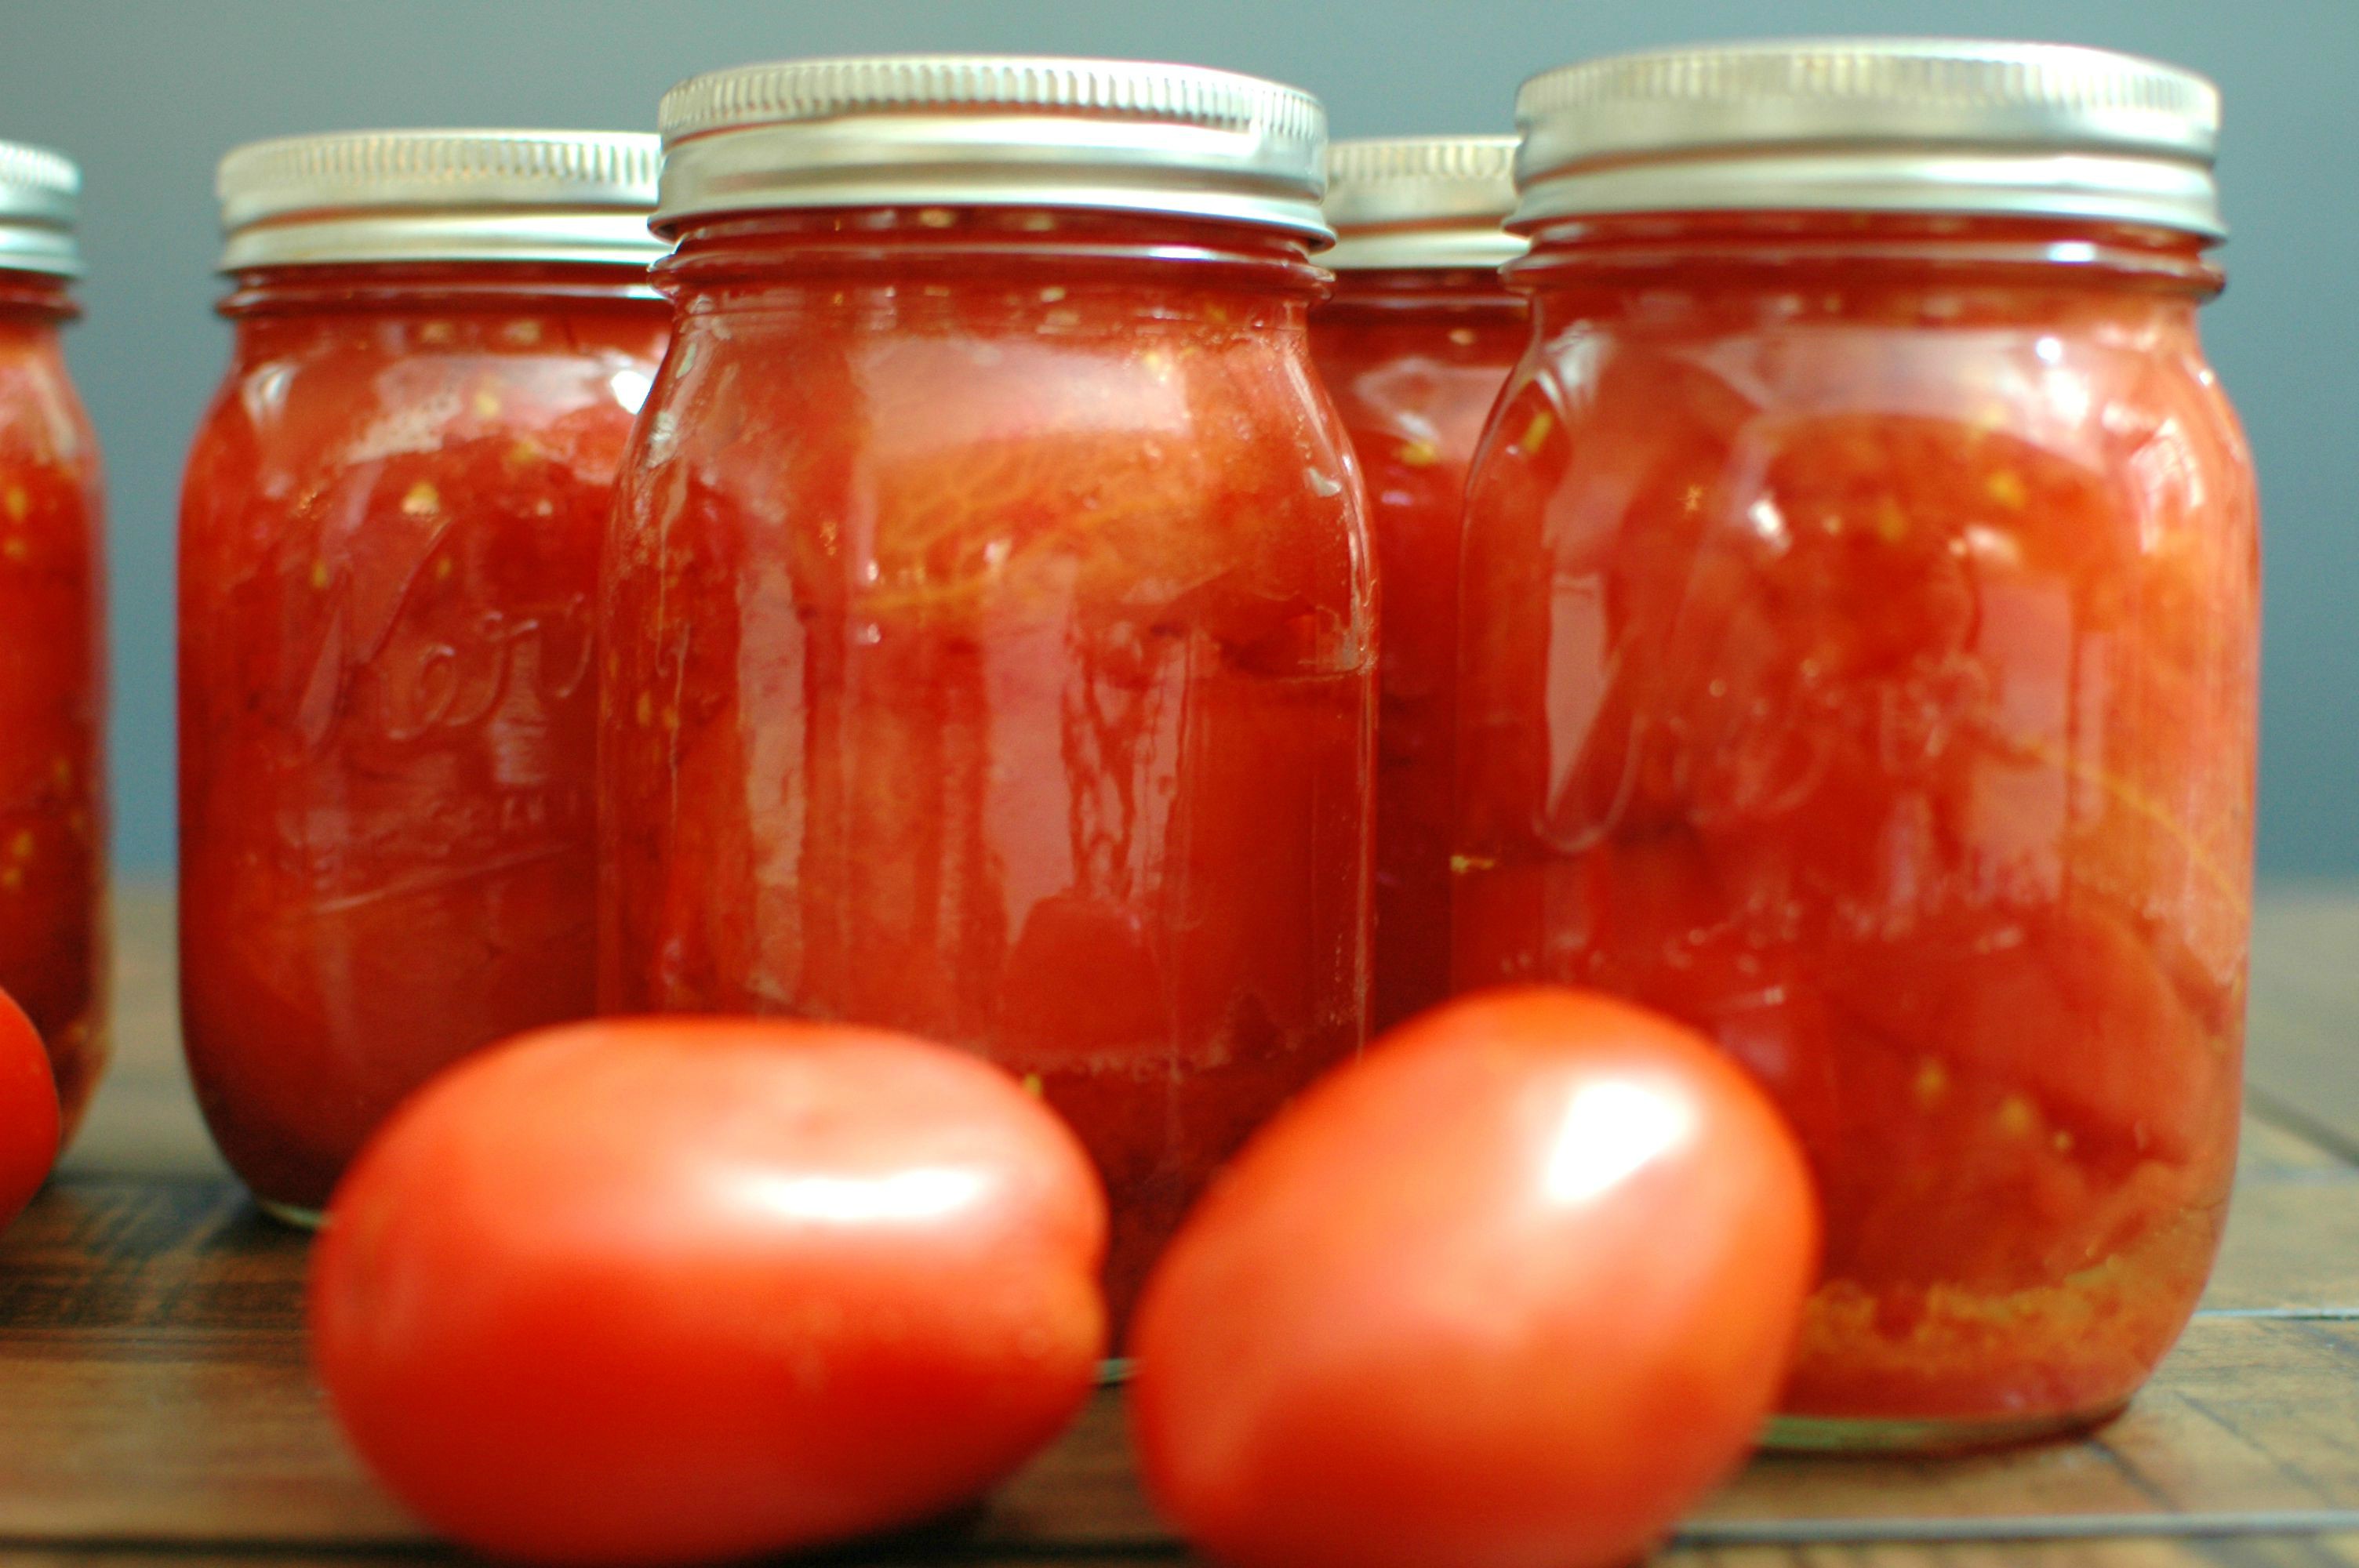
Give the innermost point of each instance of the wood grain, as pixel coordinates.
(2291, 1247)
(2291, 1550)
(154, 1407)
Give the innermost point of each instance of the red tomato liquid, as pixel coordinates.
(1414, 360)
(990, 657)
(390, 528)
(1865, 672)
(52, 707)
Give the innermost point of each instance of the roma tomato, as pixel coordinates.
(1514, 1290)
(669, 1291)
(28, 1111)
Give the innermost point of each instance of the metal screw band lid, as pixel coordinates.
(1421, 202)
(1873, 125)
(40, 199)
(466, 195)
(983, 130)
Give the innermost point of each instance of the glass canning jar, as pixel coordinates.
(988, 615)
(53, 944)
(1860, 663)
(1414, 344)
(389, 534)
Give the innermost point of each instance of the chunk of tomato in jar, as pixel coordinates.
(2065, 1001)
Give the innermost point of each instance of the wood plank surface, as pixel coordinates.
(155, 1406)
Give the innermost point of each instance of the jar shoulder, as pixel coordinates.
(323, 429)
(2131, 420)
(47, 440)
(948, 448)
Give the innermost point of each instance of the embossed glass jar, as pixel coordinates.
(1862, 588)
(390, 527)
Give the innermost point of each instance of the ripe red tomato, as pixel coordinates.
(28, 1111)
(660, 1291)
(1512, 1291)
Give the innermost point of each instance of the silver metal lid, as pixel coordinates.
(984, 130)
(1873, 125)
(39, 197)
(1421, 202)
(467, 195)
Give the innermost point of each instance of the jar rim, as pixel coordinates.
(1418, 201)
(490, 195)
(40, 198)
(1873, 125)
(991, 130)
(1786, 243)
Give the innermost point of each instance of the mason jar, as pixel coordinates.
(1414, 342)
(1859, 663)
(988, 621)
(53, 945)
(389, 535)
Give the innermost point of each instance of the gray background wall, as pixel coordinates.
(147, 94)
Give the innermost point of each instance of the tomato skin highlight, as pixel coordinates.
(1513, 1291)
(29, 1130)
(681, 1289)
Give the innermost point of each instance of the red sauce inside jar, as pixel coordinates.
(390, 529)
(1867, 674)
(52, 788)
(1414, 359)
(989, 628)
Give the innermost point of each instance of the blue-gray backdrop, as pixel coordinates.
(147, 94)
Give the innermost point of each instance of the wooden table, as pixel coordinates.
(155, 1408)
